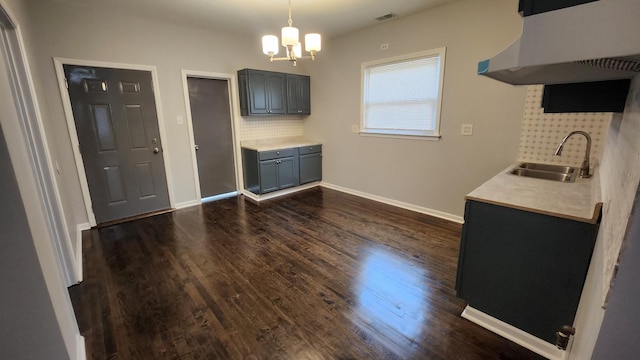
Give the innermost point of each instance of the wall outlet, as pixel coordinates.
(466, 129)
(355, 128)
(384, 46)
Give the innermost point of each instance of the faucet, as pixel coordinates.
(584, 168)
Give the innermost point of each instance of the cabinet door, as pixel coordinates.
(258, 92)
(310, 168)
(298, 94)
(276, 88)
(268, 176)
(286, 173)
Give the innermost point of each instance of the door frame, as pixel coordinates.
(33, 136)
(234, 109)
(73, 134)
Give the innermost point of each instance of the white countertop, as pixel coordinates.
(277, 143)
(580, 200)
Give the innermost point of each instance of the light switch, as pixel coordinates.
(180, 120)
(466, 129)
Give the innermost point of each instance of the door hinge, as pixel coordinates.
(66, 83)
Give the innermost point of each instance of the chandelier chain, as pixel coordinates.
(290, 21)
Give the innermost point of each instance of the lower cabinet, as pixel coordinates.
(310, 163)
(267, 171)
(523, 268)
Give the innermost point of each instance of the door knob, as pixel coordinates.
(156, 150)
(197, 147)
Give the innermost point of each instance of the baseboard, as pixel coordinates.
(81, 351)
(187, 204)
(514, 334)
(275, 194)
(78, 250)
(400, 204)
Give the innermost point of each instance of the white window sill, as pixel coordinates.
(401, 136)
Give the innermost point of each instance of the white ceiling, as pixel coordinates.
(329, 17)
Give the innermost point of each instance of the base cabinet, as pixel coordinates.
(267, 171)
(523, 268)
(310, 163)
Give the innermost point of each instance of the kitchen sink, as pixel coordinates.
(545, 172)
(546, 167)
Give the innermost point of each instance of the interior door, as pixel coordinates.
(213, 135)
(115, 116)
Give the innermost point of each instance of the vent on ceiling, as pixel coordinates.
(387, 17)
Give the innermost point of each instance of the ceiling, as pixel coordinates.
(331, 18)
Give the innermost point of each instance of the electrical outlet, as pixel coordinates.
(355, 128)
(466, 129)
(384, 46)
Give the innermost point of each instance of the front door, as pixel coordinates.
(115, 115)
(212, 132)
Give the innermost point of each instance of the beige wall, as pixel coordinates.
(430, 174)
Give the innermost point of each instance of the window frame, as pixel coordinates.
(435, 135)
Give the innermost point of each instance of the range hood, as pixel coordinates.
(595, 41)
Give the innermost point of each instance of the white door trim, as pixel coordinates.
(234, 108)
(73, 134)
(35, 139)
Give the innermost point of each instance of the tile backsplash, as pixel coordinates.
(258, 127)
(542, 133)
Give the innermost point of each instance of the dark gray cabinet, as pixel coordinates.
(298, 94)
(268, 171)
(310, 163)
(533, 7)
(262, 92)
(273, 93)
(523, 268)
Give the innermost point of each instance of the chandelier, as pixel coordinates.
(312, 44)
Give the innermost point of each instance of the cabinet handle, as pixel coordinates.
(277, 152)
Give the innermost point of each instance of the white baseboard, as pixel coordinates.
(81, 351)
(278, 193)
(400, 204)
(78, 250)
(186, 204)
(514, 334)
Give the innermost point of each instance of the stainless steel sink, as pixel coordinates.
(546, 167)
(545, 172)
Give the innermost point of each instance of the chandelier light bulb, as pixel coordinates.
(290, 36)
(312, 42)
(297, 51)
(270, 45)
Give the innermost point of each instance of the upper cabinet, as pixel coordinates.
(532, 7)
(273, 93)
(298, 94)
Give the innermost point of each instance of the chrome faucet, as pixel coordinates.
(584, 168)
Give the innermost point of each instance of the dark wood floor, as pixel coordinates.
(315, 275)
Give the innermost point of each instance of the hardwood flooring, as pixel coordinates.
(315, 275)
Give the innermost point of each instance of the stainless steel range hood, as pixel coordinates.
(590, 42)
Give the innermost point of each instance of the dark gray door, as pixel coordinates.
(212, 132)
(117, 125)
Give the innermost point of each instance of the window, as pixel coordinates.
(402, 95)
